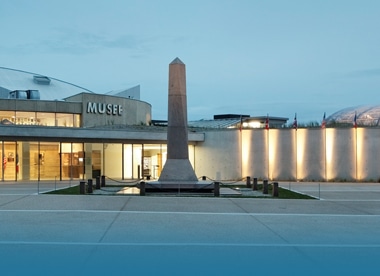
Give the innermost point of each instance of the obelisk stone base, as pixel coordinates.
(178, 175)
(178, 170)
(180, 186)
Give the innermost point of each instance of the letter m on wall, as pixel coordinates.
(91, 108)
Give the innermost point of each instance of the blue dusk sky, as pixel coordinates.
(276, 57)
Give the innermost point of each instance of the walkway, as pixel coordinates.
(125, 235)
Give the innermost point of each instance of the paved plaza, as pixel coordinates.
(155, 235)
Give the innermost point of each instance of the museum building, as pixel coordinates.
(51, 129)
(54, 130)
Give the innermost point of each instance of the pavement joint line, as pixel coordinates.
(114, 220)
(191, 213)
(200, 244)
(14, 200)
(257, 219)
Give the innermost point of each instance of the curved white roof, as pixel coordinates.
(366, 115)
(49, 88)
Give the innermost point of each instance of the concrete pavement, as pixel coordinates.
(338, 191)
(122, 235)
(33, 187)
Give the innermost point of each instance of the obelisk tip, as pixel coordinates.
(176, 61)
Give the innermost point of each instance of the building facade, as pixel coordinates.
(307, 154)
(84, 135)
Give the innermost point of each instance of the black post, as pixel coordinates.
(265, 187)
(275, 189)
(142, 188)
(203, 177)
(103, 183)
(82, 185)
(255, 188)
(97, 182)
(248, 183)
(89, 186)
(216, 189)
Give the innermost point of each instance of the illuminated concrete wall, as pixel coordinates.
(342, 154)
(282, 157)
(310, 154)
(219, 156)
(368, 149)
(255, 153)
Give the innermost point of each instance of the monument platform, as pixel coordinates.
(180, 185)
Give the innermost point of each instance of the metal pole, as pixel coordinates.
(296, 157)
(97, 182)
(265, 186)
(356, 153)
(248, 182)
(254, 184)
(82, 185)
(142, 188)
(325, 153)
(89, 186)
(216, 189)
(268, 153)
(39, 169)
(275, 189)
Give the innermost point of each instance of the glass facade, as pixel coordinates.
(40, 118)
(365, 116)
(72, 161)
(32, 161)
(8, 152)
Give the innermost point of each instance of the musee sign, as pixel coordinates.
(102, 108)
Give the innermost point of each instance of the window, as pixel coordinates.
(45, 119)
(65, 120)
(40, 118)
(25, 118)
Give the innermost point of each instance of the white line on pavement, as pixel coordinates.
(190, 213)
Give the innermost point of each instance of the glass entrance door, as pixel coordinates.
(10, 161)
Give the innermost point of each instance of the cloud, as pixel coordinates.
(75, 42)
(69, 41)
(64, 41)
(364, 73)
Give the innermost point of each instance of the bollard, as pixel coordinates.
(216, 189)
(103, 183)
(142, 188)
(97, 186)
(82, 185)
(248, 182)
(89, 186)
(275, 189)
(203, 178)
(254, 187)
(265, 187)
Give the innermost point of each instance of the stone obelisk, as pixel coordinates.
(177, 167)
